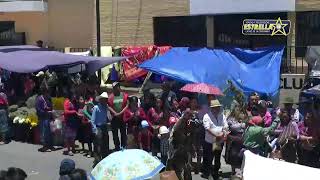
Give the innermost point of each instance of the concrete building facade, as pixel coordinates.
(63, 23)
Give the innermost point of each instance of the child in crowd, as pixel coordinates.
(172, 122)
(175, 112)
(164, 143)
(145, 136)
(85, 130)
(154, 114)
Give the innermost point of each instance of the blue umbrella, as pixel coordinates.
(132, 164)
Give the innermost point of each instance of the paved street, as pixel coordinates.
(45, 166)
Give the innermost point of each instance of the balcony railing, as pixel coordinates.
(293, 61)
(23, 5)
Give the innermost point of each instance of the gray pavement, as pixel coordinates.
(45, 166)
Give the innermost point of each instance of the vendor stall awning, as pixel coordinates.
(257, 70)
(29, 59)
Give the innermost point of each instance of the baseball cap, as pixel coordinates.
(144, 124)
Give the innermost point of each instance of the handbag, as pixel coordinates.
(168, 175)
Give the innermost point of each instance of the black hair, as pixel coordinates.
(78, 174)
(255, 110)
(262, 105)
(133, 99)
(15, 174)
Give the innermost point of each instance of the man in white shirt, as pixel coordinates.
(215, 125)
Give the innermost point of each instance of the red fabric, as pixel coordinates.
(202, 88)
(153, 117)
(256, 121)
(28, 86)
(144, 138)
(84, 119)
(137, 56)
(124, 103)
(164, 49)
(69, 109)
(36, 135)
(3, 101)
(128, 115)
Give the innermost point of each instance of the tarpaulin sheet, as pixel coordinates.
(138, 54)
(250, 70)
(261, 168)
(29, 59)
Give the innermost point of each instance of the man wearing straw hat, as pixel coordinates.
(215, 124)
(99, 122)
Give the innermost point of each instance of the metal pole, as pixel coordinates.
(98, 27)
(98, 34)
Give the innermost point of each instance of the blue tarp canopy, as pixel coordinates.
(250, 70)
(29, 59)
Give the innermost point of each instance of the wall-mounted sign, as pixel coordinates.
(291, 85)
(266, 27)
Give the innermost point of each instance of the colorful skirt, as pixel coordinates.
(85, 133)
(70, 133)
(4, 128)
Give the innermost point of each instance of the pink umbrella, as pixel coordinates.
(202, 88)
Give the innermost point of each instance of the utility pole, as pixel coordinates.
(98, 27)
(98, 35)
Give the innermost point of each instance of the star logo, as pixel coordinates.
(278, 28)
(270, 27)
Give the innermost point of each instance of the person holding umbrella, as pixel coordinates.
(99, 120)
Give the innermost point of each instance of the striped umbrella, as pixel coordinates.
(202, 88)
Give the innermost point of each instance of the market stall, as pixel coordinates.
(31, 59)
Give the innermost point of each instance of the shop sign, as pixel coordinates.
(268, 27)
(291, 85)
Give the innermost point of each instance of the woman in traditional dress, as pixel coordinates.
(132, 117)
(85, 130)
(308, 145)
(4, 128)
(72, 122)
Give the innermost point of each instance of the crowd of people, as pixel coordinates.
(180, 128)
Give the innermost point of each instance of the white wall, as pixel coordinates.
(239, 6)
